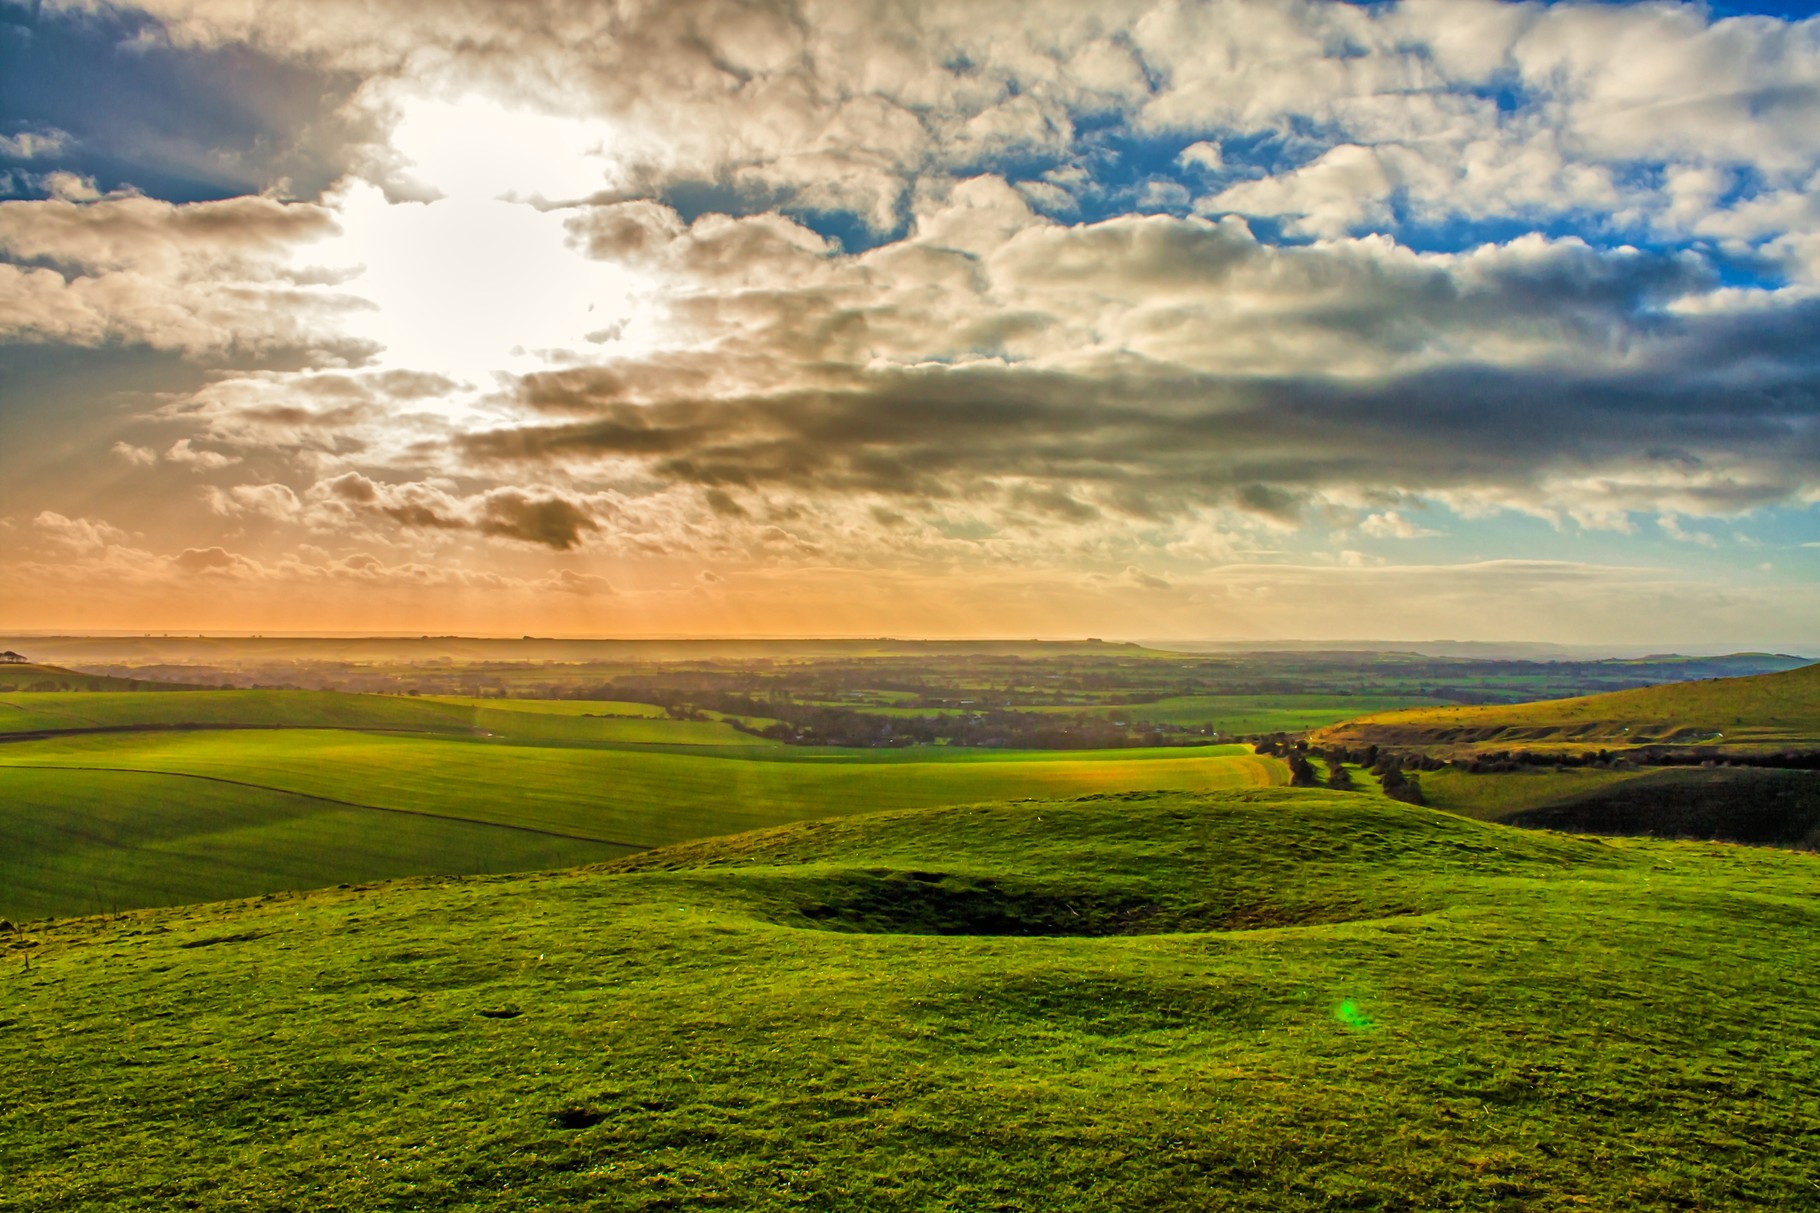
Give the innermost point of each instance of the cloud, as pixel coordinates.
(864, 284)
(274, 501)
(1204, 154)
(1178, 374)
(1671, 526)
(1348, 187)
(722, 503)
(33, 145)
(209, 561)
(81, 268)
(1391, 524)
(568, 581)
(79, 534)
(551, 521)
(525, 516)
(1465, 107)
(182, 451)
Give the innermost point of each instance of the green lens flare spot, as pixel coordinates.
(1352, 1018)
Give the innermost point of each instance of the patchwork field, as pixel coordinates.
(1273, 1000)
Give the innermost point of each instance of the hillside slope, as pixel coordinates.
(1271, 1000)
(32, 676)
(95, 821)
(1759, 711)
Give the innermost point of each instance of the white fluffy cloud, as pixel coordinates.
(85, 269)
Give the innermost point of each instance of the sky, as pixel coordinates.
(1205, 319)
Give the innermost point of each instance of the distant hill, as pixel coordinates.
(31, 676)
(145, 650)
(1755, 712)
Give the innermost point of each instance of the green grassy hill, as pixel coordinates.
(1760, 711)
(105, 820)
(525, 721)
(1766, 807)
(1770, 807)
(85, 842)
(30, 676)
(1271, 1000)
(103, 708)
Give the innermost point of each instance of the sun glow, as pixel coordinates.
(482, 277)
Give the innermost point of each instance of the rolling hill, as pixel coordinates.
(1758, 711)
(1718, 721)
(119, 800)
(31, 676)
(1278, 999)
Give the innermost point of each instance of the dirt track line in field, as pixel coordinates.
(19, 707)
(349, 804)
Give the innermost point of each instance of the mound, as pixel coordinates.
(1160, 863)
(673, 1031)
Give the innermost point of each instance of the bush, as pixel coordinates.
(1301, 773)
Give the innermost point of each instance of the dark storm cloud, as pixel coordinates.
(1267, 380)
(550, 521)
(1165, 441)
(536, 517)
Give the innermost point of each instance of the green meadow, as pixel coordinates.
(1259, 713)
(86, 842)
(57, 711)
(1233, 714)
(1274, 999)
(249, 792)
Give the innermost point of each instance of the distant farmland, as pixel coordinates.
(300, 789)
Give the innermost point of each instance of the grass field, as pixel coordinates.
(84, 842)
(1769, 807)
(1271, 1000)
(1763, 710)
(528, 721)
(21, 713)
(1259, 713)
(1231, 714)
(1492, 797)
(126, 819)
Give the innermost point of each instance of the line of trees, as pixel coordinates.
(1394, 771)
